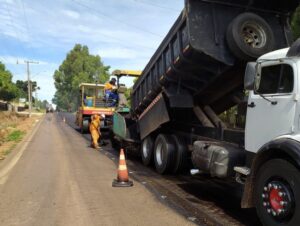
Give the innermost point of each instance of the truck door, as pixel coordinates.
(271, 106)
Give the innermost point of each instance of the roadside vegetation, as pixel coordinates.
(11, 92)
(15, 135)
(13, 128)
(296, 23)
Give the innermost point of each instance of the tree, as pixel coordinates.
(42, 104)
(8, 90)
(296, 23)
(23, 87)
(78, 67)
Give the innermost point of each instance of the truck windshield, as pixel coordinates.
(276, 79)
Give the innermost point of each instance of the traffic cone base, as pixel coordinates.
(122, 179)
(117, 183)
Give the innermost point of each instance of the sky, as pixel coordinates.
(124, 33)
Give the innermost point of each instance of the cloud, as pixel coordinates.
(71, 14)
(118, 53)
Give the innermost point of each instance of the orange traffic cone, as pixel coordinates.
(122, 179)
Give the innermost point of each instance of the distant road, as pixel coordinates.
(59, 180)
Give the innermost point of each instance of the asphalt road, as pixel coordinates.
(199, 199)
(58, 180)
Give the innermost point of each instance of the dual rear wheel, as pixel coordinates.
(168, 152)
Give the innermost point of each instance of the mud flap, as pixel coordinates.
(154, 115)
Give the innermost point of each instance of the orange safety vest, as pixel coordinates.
(108, 86)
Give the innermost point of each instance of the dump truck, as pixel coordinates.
(222, 55)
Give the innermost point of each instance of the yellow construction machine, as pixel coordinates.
(93, 101)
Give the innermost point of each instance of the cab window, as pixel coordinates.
(88, 96)
(276, 79)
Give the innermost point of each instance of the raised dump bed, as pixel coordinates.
(202, 59)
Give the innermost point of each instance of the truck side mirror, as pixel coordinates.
(250, 76)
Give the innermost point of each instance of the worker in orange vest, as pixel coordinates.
(95, 130)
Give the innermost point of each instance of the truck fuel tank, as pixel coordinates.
(216, 158)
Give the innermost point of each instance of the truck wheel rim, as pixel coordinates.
(159, 154)
(253, 35)
(278, 199)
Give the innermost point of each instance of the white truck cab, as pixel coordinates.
(272, 137)
(273, 103)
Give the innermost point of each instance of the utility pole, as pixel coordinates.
(29, 85)
(35, 100)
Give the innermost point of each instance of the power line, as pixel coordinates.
(10, 17)
(13, 24)
(122, 42)
(26, 21)
(157, 6)
(117, 20)
(114, 37)
(27, 26)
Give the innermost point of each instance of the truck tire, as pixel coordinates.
(115, 144)
(249, 36)
(147, 150)
(85, 126)
(180, 162)
(277, 193)
(164, 153)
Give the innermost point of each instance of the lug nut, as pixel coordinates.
(281, 194)
(270, 185)
(265, 188)
(283, 203)
(264, 204)
(264, 196)
(269, 210)
(280, 211)
(274, 213)
(276, 187)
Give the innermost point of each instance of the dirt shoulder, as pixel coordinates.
(13, 129)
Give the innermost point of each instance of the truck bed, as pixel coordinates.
(194, 58)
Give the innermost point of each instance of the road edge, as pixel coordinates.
(8, 163)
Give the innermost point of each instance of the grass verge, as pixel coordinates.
(15, 135)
